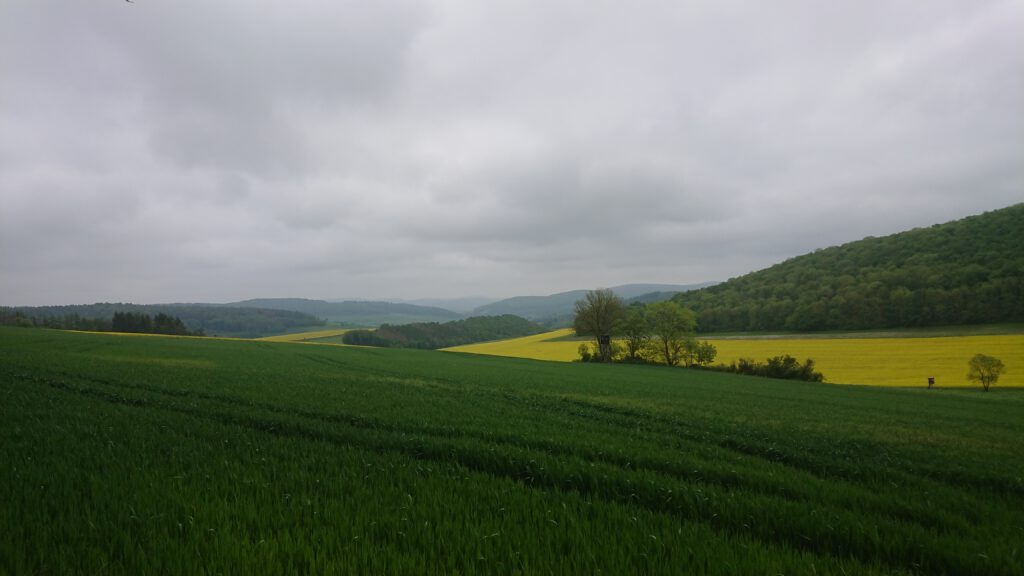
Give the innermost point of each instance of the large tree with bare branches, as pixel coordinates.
(598, 314)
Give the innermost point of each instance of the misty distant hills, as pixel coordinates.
(211, 319)
(558, 309)
(249, 318)
(553, 310)
(463, 305)
(354, 312)
(266, 316)
(968, 271)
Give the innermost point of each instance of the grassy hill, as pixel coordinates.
(355, 313)
(182, 456)
(970, 271)
(556, 310)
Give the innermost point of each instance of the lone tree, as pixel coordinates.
(670, 325)
(598, 314)
(984, 369)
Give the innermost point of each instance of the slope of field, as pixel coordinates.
(189, 456)
(545, 346)
(970, 271)
(874, 361)
(314, 335)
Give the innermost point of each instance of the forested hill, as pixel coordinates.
(432, 335)
(969, 271)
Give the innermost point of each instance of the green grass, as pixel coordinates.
(192, 456)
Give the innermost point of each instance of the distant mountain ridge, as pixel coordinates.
(212, 319)
(558, 309)
(969, 271)
(357, 313)
(462, 305)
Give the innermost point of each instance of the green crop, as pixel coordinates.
(192, 456)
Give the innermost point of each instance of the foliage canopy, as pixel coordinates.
(670, 327)
(970, 271)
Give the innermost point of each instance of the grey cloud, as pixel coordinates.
(197, 151)
(229, 86)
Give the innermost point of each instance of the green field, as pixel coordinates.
(191, 456)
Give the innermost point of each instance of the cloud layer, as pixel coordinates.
(197, 151)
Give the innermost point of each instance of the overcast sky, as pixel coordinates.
(186, 150)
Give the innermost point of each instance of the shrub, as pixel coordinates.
(785, 367)
(584, 352)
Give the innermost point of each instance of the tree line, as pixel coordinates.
(663, 333)
(131, 322)
(434, 335)
(134, 322)
(966, 272)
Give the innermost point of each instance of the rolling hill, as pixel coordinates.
(355, 312)
(969, 271)
(462, 305)
(212, 319)
(557, 309)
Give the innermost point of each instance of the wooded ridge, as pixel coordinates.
(969, 271)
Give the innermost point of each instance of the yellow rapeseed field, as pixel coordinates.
(303, 336)
(535, 347)
(875, 361)
(889, 361)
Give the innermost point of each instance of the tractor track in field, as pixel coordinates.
(706, 502)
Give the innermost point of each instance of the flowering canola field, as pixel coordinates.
(303, 336)
(874, 361)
